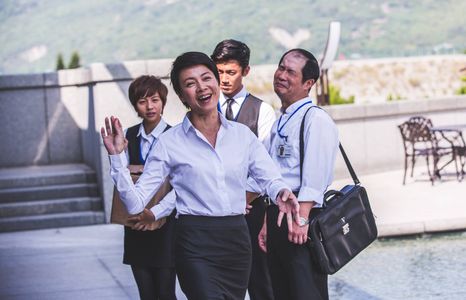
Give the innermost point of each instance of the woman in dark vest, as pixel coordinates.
(149, 253)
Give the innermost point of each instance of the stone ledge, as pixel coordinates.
(428, 226)
(120, 71)
(159, 67)
(68, 77)
(22, 81)
(407, 107)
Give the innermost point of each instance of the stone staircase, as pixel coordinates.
(49, 197)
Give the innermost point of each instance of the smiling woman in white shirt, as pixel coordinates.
(207, 160)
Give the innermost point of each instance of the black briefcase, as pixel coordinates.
(342, 229)
(345, 225)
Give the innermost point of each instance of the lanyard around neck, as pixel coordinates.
(279, 129)
(147, 155)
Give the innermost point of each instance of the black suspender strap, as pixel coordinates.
(301, 153)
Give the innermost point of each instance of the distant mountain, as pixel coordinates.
(33, 32)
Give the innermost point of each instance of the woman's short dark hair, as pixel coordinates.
(188, 60)
(311, 68)
(147, 86)
(232, 50)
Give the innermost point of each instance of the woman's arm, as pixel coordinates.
(134, 196)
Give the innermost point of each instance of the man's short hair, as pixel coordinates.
(311, 68)
(232, 50)
(147, 86)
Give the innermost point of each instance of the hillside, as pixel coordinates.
(379, 80)
(33, 32)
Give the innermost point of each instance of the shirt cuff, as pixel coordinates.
(159, 212)
(307, 194)
(118, 161)
(275, 189)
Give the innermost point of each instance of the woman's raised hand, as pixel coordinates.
(113, 136)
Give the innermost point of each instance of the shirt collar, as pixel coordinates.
(295, 105)
(239, 97)
(158, 130)
(187, 122)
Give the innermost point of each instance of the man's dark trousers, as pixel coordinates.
(260, 284)
(294, 274)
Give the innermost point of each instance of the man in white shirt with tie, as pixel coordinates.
(237, 104)
(294, 274)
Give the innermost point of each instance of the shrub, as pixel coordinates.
(335, 98)
(462, 89)
(391, 97)
(74, 62)
(60, 63)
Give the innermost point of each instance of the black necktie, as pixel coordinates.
(229, 111)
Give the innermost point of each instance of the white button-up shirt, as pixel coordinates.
(320, 149)
(208, 181)
(147, 142)
(266, 112)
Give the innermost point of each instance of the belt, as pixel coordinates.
(263, 198)
(267, 200)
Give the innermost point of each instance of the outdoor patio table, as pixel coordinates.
(454, 135)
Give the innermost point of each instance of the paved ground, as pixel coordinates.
(85, 262)
(416, 207)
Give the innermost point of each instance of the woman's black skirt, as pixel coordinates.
(213, 256)
(153, 249)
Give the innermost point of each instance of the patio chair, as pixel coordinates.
(419, 140)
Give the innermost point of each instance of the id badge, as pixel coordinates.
(284, 151)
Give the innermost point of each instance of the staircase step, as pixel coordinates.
(48, 192)
(45, 175)
(50, 206)
(51, 221)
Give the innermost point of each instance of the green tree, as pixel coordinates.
(60, 63)
(74, 62)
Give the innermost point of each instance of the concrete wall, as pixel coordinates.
(55, 118)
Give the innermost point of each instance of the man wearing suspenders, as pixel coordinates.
(237, 104)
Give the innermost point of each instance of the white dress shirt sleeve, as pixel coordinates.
(321, 146)
(136, 196)
(266, 119)
(165, 207)
(264, 171)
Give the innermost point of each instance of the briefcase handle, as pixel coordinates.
(301, 153)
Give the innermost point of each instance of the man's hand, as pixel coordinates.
(248, 208)
(262, 238)
(298, 234)
(287, 204)
(113, 136)
(146, 221)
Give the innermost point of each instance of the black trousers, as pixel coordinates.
(155, 283)
(260, 284)
(294, 274)
(213, 257)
